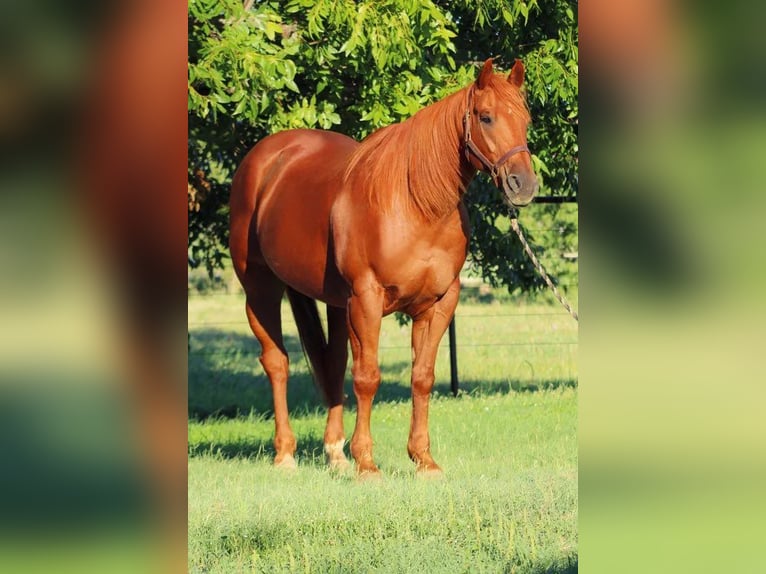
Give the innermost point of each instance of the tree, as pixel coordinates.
(256, 68)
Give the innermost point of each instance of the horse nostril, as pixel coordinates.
(514, 182)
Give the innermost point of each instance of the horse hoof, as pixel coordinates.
(286, 462)
(430, 473)
(369, 475)
(336, 460)
(339, 464)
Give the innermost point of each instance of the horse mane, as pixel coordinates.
(419, 161)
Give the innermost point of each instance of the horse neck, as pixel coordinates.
(438, 173)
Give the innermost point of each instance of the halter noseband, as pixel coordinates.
(492, 168)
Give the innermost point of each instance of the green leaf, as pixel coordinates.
(290, 84)
(272, 29)
(289, 69)
(240, 107)
(524, 9)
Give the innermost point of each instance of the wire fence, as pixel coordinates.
(291, 321)
(298, 350)
(547, 348)
(197, 332)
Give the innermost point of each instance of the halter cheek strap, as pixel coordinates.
(470, 148)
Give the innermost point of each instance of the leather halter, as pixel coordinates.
(492, 168)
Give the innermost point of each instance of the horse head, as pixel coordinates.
(495, 132)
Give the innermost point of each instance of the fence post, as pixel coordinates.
(453, 357)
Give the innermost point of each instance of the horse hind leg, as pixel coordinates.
(264, 294)
(327, 357)
(336, 359)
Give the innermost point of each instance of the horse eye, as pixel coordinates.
(485, 119)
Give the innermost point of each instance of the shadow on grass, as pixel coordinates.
(569, 568)
(226, 380)
(310, 449)
(504, 387)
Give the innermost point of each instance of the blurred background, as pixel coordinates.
(93, 216)
(673, 132)
(92, 287)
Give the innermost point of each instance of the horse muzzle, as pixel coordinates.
(519, 189)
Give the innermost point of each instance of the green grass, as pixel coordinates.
(507, 444)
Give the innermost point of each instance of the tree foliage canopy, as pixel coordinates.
(258, 67)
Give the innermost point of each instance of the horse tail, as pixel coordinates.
(313, 339)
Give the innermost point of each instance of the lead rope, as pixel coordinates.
(538, 265)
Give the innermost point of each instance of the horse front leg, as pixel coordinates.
(427, 331)
(365, 311)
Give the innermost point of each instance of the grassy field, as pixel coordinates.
(507, 444)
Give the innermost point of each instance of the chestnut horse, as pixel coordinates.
(370, 228)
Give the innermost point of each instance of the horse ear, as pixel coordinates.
(516, 77)
(484, 75)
